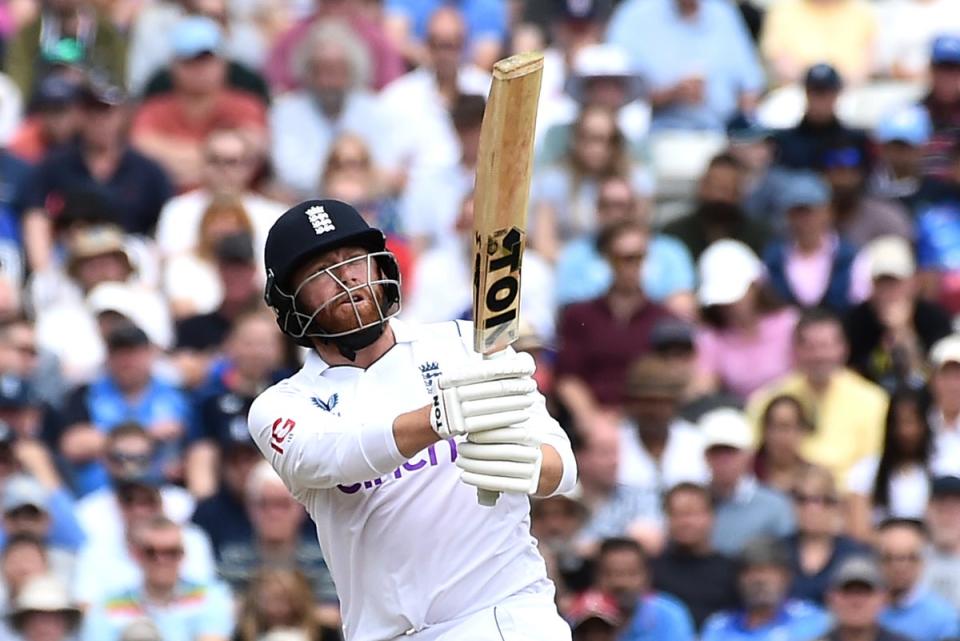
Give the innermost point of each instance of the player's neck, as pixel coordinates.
(365, 357)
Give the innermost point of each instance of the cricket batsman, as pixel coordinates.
(370, 434)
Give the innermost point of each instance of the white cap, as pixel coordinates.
(890, 256)
(44, 593)
(726, 427)
(727, 270)
(603, 61)
(946, 350)
(138, 305)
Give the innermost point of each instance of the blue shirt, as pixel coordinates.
(484, 18)
(660, 617)
(582, 273)
(65, 530)
(796, 621)
(922, 616)
(667, 48)
(938, 238)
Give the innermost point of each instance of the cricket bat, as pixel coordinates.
(501, 197)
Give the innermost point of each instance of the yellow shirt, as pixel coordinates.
(848, 418)
(805, 32)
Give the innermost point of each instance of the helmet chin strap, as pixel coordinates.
(350, 344)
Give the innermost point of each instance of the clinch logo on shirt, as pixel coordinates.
(327, 405)
(430, 371)
(319, 220)
(433, 456)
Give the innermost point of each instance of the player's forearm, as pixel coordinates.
(551, 471)
(413, 432)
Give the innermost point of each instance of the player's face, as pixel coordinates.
(324, 281)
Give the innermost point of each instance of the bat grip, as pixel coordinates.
(489, 498)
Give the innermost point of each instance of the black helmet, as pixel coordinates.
(307, 230)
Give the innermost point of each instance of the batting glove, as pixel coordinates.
(485, 395)
(501, 460)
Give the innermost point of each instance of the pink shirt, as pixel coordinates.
(745, 363)
(809, 274)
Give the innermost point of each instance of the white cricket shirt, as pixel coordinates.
(406, 542)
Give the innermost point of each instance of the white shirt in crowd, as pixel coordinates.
(946, 446)
(907, 28)
(682, 458)
(99, 512)
(407, 543)
(909, 488)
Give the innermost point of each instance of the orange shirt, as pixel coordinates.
(165, 115)
(28, 142)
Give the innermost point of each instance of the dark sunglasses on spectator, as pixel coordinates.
(122, 458)
(629, 258)
(158, 553)
(900, 558)
(31, 512)
(449, 45)
(804, 499)
(218, 160)
(138, 498)
(29, 349)
(614, 203)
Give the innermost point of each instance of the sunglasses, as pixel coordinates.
(637, 257)
(30, 512)
(154, 553)
(900, 558)
(614, 203)
(819, 499)
(122, 458)
(217, 160)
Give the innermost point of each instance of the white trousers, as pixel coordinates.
(523, 618)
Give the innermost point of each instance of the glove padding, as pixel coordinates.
(506, 459)
(484, 395)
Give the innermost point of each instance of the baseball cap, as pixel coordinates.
(764, 551)
(945, 50)
(823, 77)
(235, 248)
(196, 35)
(857, 569)
(911, 126)
(727, 270)
(125, 336)
(56, 90)
(890, 256)
(804, 189)
(101, 92)
(16, 392)
(671, 332)
(946, 350)
(137, 304)
(593, 604)
(726, 427)
(95, 240)
(22, 491)
(944, 486)
(603, 61)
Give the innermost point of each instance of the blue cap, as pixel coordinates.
(946, 50)
(196, 35)
(56, 90)
(823, 77)
(911, 125)
(804, 190)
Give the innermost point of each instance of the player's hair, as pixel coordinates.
(621, 544)
(262, 475)
(815, 316)
(611, 232)
(687, 487)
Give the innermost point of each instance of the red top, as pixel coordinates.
(165, 115)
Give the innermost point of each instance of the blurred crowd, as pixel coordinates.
(741, 287)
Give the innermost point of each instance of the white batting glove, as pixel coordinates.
(501, 460)
(484, 395)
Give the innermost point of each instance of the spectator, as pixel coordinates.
(938, 241)
(555, 522)
(26, 512)
(783, 425)
(689, 568)
(172, 128)
(817, 548)
(181, 610)
(768, 613)
(485, 21)
(304, 124)
(280, 600)
(754, 147)
(813, 266)
(859, 217)
(746, 341)
(20, 409)
(53, 122)
(229, 163)
(743, 508)
(594, 616)
(597, 339)
(942, 103)
(891, 332)
(697, 56)
(906, 30)
(658, 449)
(668, 272)
(39, 369)
(942, 557)
(43, 611)
(849, 409)
(22, 558)
(717, 213)
(622, 573)
(913, 610)
(802, 147)
(945, 411)
(134, 187)
(856, 600)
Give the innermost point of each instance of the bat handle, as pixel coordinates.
(488, 498)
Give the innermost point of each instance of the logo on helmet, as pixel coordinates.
(319, 220)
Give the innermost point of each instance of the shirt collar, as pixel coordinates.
(315, 366)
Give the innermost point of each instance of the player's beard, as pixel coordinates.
(341, 317)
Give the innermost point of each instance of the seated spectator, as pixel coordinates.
(39, 369)
(802, 147)
(941, 567)
(689, 568)
(594, 616)
(768, 612)
(850, 410)
(667, 272)
(942, 103)
(896, 483)
(813, 266)
(622, 573)
(783, 425)
(658, 449)
(800, 33)
(700, 75)
(913, 610)
(856, 600)
(598, 339)
(22, 558)
(53, 121)
(172, 128)
(20, 408)
(26, 512)
(938, 241)
(754, 147)
(892, 332)
(128, 455)
(229, 163)
(486, 23)
(945, 412)
(746, 341)
(182, 610)
(280, 600)
(744, 509)
(108, 563)
(43, 611)
(906, 29)
(555, 522)
(717, 213)
(278, 543)
(817, 548)
(128, 389)
(564, 195)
